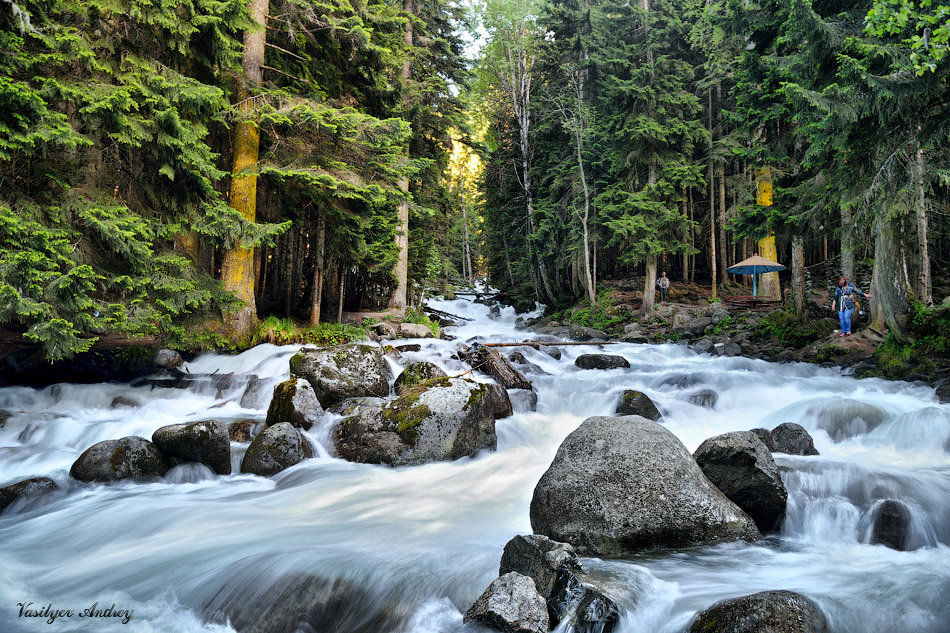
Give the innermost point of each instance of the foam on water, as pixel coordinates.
(429, 538)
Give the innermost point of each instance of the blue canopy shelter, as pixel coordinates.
(755, 266)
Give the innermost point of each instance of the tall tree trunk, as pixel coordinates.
(723, 245)
(339, 310)
(924, 289)
(712, 202)
(397, 300)
(237, 267)
(890, 284)
(316, 298)
(649, 286)
(847, 243)
(685, 255)
(468, 247)
(798, 276)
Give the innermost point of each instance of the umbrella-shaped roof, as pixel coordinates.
(755, 265)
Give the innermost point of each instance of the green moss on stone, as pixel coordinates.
(475, 397)
(405, 415)
(281, 407)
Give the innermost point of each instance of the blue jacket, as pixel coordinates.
(844, 297)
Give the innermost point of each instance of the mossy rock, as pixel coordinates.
(346, 371)
(634, 402)
(294, 401)
(126, 458)
(437, 419)
(417, 373)
(274, 449)
(207, 442)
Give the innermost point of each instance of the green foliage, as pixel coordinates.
(417, 316)
(929, 351)
(285, 332)
(602, 316)
(791, 332)
(724, 324)
(830, 352)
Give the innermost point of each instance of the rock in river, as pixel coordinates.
(540, 558)
(511, 604)
(344, 371)
(274, 449)
(637, 403)
(440, 419)
(891, 525)
(601, 361)
(127, 458)
(741, 466)
(416, 373)
(294, 401)
(765, 612)
(620, 485)
(207, 442)
(24, 489)
(792, 439)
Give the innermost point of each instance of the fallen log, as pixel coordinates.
(492, 363)
(447, 315)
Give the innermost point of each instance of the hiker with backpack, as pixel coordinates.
(844, 303)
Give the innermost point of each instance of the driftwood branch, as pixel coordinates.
(536, 344)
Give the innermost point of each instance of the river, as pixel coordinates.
(409, 549)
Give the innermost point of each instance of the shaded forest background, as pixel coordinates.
(184, 169)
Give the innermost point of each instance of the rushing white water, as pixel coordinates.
(409, 549)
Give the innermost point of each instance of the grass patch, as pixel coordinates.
(285, 332)
(417, 316)
(605, 315)
(790, 332)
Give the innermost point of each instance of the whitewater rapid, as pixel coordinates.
(421, 543)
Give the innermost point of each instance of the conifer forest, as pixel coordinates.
(461, 316)
(187, 169)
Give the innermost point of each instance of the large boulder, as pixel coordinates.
(511, 604)
(601, 361)
(415, 330)
(274, 449)
(207, 442)
(540, 558)
(637, 403)
(620, 485)
(765, 612)
(345, 371)
(416, 373)
(943, 392)
(127, 458)
(25, 489)
(294, 401)
(741, 466)
(441, 419)
(891, 525)
(792, 439)
(842, 418)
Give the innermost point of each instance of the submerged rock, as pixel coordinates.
(842, 418)
(585, 606)
(705, 398)
(440, 419)
(511, 604)
(274, 449)
(765, 612)
(127, 458)
(294, 401)
(523, 400)
(415, 374)
(26, 489)
(792, 439)
(741, 466)
(207, 442)
(891, 525)
(620, 485)
(345, 371)
(256, 393)
(551, 351)
(601, 361)
(637, 403)
(302, 603)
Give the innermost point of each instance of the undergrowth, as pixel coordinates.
(284, 332)
(603, 316)
(784, 327)
(929, 351)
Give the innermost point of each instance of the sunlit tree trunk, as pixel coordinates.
(397, 300)
(237, 267)
(712, 203)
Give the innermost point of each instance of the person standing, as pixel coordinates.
(844, 303)
(663, 283)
